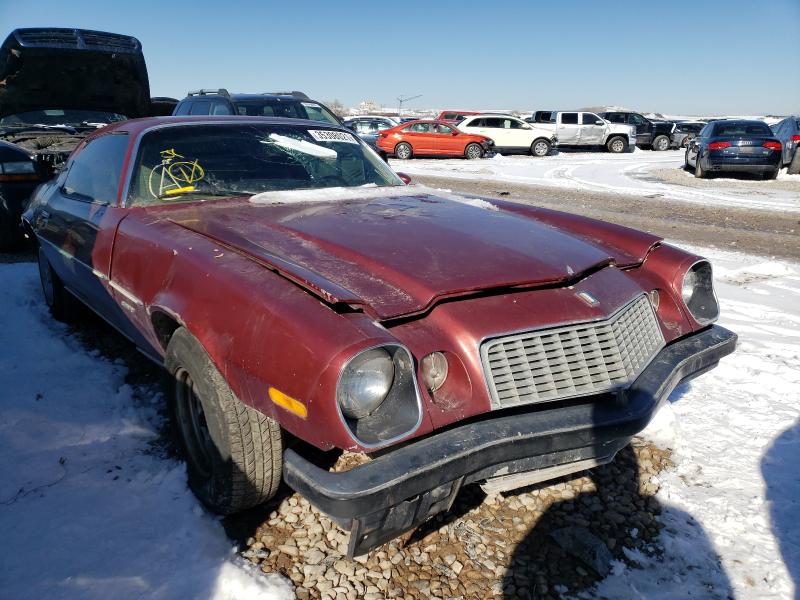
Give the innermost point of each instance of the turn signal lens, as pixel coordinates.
(434, 370)
(655, 299)
(719, 145)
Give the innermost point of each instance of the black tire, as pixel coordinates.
(661, 143)
(772, 174)
(473, 151)
(62, 304)
(617, 145)
(234, 453)
(541, 147)
(698, 168)
(403, 151)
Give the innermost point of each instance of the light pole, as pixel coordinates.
(401, 99)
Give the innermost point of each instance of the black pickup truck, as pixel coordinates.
(656, 135)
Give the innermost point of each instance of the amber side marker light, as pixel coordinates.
(287, 402)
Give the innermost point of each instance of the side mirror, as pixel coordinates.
(406, 179)
(527, 126)
(599, 123)
(455, 132)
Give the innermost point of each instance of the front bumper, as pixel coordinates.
(397, 491)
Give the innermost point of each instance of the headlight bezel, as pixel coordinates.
(698, 294)
(399, 414)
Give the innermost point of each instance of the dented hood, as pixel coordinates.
(48, 68)
(395, 256)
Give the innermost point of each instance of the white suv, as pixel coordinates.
(510, 134)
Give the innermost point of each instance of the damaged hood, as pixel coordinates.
(48, 68)
(394, 255)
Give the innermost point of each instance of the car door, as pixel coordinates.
(591, 134)
(568, 129)
(77, 223)
(519, 137)
(447, 140)
(474, 125)
(644, 133)
(420, 136)
(496, 130)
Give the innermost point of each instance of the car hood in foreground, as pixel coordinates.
(394, 255)
(49, 68)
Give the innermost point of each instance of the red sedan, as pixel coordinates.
(302, 299)
(432, 138)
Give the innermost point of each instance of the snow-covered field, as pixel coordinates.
(88, 508)
(617, 173)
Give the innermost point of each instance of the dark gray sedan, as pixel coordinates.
(734, 145)
(788, 132)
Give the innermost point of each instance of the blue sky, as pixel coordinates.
(687, 57)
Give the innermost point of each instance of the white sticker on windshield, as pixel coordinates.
(324, 135)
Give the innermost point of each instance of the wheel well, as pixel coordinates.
(164, 326)
(541, 139)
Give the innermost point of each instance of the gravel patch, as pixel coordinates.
(487, 546)
(723, 181)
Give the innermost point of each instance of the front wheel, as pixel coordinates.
(661, 143)
(540, 148)
(233, 452)
(617, 145)
(403, 151)
(473, 151)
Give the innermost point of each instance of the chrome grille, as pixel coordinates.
(573, 360)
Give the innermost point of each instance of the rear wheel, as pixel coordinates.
(540, 148)
(617, 145)
(61, 303)
(403, 151)
(772, 174)
(473, 151)
(698, 168)
(233, 452)
(661, 143)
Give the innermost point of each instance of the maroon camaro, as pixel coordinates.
(306, 301)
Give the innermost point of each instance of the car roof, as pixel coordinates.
(137, 126)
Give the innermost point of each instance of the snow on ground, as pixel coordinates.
(605, 172)
(88, 509)
(735, 490)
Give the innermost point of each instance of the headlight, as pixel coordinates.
(697, 291)
(365, 383)
(17, 167)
